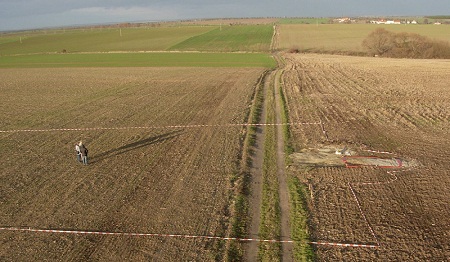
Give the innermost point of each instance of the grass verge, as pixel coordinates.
(270, 225)
(299, 221)
(302, 250)
(241, 181)
(288, 148)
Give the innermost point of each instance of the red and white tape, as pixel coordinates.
(392, 173)
(379, 152)
(344, 244)
(154, 127)
(82, 232)
(349, 165)
(363, 215)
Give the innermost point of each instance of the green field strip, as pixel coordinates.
(138, 60)
(299, 20)
(227, 38)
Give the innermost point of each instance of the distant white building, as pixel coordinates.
(378, 22)
(344, 20)
(384, 22)
(393, 22)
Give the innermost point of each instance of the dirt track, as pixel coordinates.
(270, 89)
(388, 105)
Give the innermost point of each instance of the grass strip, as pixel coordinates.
(302, 250)
(270, 225)
(299, 221)
(240, 182)
(288, 148)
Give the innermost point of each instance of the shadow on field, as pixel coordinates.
(135, 145)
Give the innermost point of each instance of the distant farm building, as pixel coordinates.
(344, 20)
(386, 22)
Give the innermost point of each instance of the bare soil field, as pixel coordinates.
(150, 172)
(355, 121)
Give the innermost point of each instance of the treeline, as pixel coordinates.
(438, 17)
(405, 45)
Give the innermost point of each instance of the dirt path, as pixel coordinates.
(270, 85)
(256, 185)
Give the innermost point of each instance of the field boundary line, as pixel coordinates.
(155, 127)
(84, 232)
(379, 152)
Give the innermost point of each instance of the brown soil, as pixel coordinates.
(163, 181)
(381, 105)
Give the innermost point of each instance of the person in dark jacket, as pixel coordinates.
(84, 153)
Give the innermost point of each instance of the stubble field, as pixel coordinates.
(149, 171)
(385, 109)
(345, 38)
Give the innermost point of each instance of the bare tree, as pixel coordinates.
(379, 41)
(404, 45)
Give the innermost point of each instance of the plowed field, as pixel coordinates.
(150, 171)
(376, 109)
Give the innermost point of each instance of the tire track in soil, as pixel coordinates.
(282, 177)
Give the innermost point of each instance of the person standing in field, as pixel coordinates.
(77, 150)
(84, 153)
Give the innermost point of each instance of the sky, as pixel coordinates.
(30, 14)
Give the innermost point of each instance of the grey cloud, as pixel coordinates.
(35, 13)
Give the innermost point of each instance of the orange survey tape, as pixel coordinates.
(80, 232)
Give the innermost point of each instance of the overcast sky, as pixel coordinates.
(28, 14)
